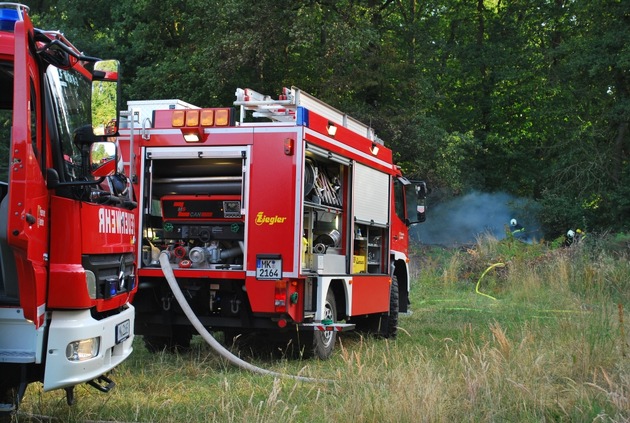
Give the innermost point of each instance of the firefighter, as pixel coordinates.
(516, 229)
(574, 236)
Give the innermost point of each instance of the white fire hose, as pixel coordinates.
(207, 336)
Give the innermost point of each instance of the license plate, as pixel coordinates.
(123, 330)
(269, 268)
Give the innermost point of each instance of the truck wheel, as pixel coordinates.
(179, 342)
(8, 401)
(389, 321)
(324, 341)
(230, 337)
(403, 298)
(384, 325)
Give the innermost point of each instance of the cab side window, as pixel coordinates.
(5, 139)
(6, 116)
(399, 199)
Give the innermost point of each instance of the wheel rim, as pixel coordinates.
(327, 335)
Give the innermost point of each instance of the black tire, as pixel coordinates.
(319, 344)
(324, 341)
(253, 344)
(179, 342)
(403, 298)
(9, 398)
(231, 337)
(384, 325)
(389, 321)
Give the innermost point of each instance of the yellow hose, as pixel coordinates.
(484, 274)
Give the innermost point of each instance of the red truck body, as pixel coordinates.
(67, 252)
(299, 222)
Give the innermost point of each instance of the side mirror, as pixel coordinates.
(105, 97)
(416, 194)
(83, 136)
(103, 159)
(420, 208)
(421, 189)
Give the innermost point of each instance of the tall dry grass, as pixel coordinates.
(548, 346)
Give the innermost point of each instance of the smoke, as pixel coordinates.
(461, 220)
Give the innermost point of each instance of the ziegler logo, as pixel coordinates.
(262, 219)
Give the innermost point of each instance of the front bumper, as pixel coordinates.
(70, 326)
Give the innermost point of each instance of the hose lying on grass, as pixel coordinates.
(207, 336)
(484, 274)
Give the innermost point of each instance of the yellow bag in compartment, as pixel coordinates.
(358, 264)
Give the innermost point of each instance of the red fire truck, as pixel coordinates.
(294, 226)
(66, 238)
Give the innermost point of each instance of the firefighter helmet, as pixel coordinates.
(570, 233)
(513, 222)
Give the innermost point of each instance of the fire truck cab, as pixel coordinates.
(295, 226)
(66, 237)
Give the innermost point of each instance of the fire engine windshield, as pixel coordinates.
(71, 98)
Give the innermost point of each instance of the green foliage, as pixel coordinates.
(529, 99)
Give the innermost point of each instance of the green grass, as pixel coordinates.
(550, 346)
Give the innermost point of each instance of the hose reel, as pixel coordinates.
(325, 241)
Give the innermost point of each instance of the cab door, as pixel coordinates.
(28, 212)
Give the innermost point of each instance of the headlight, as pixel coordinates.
(84, 349)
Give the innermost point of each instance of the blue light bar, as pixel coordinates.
(8, 18)
(302, 116)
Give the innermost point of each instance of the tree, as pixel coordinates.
(591, 69)
(531, 98)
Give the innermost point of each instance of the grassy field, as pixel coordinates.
(541, 338)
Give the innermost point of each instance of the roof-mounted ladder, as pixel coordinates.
(284, 109)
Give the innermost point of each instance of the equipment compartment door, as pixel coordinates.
(273, 223)
(195, 200)
(371, 195)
